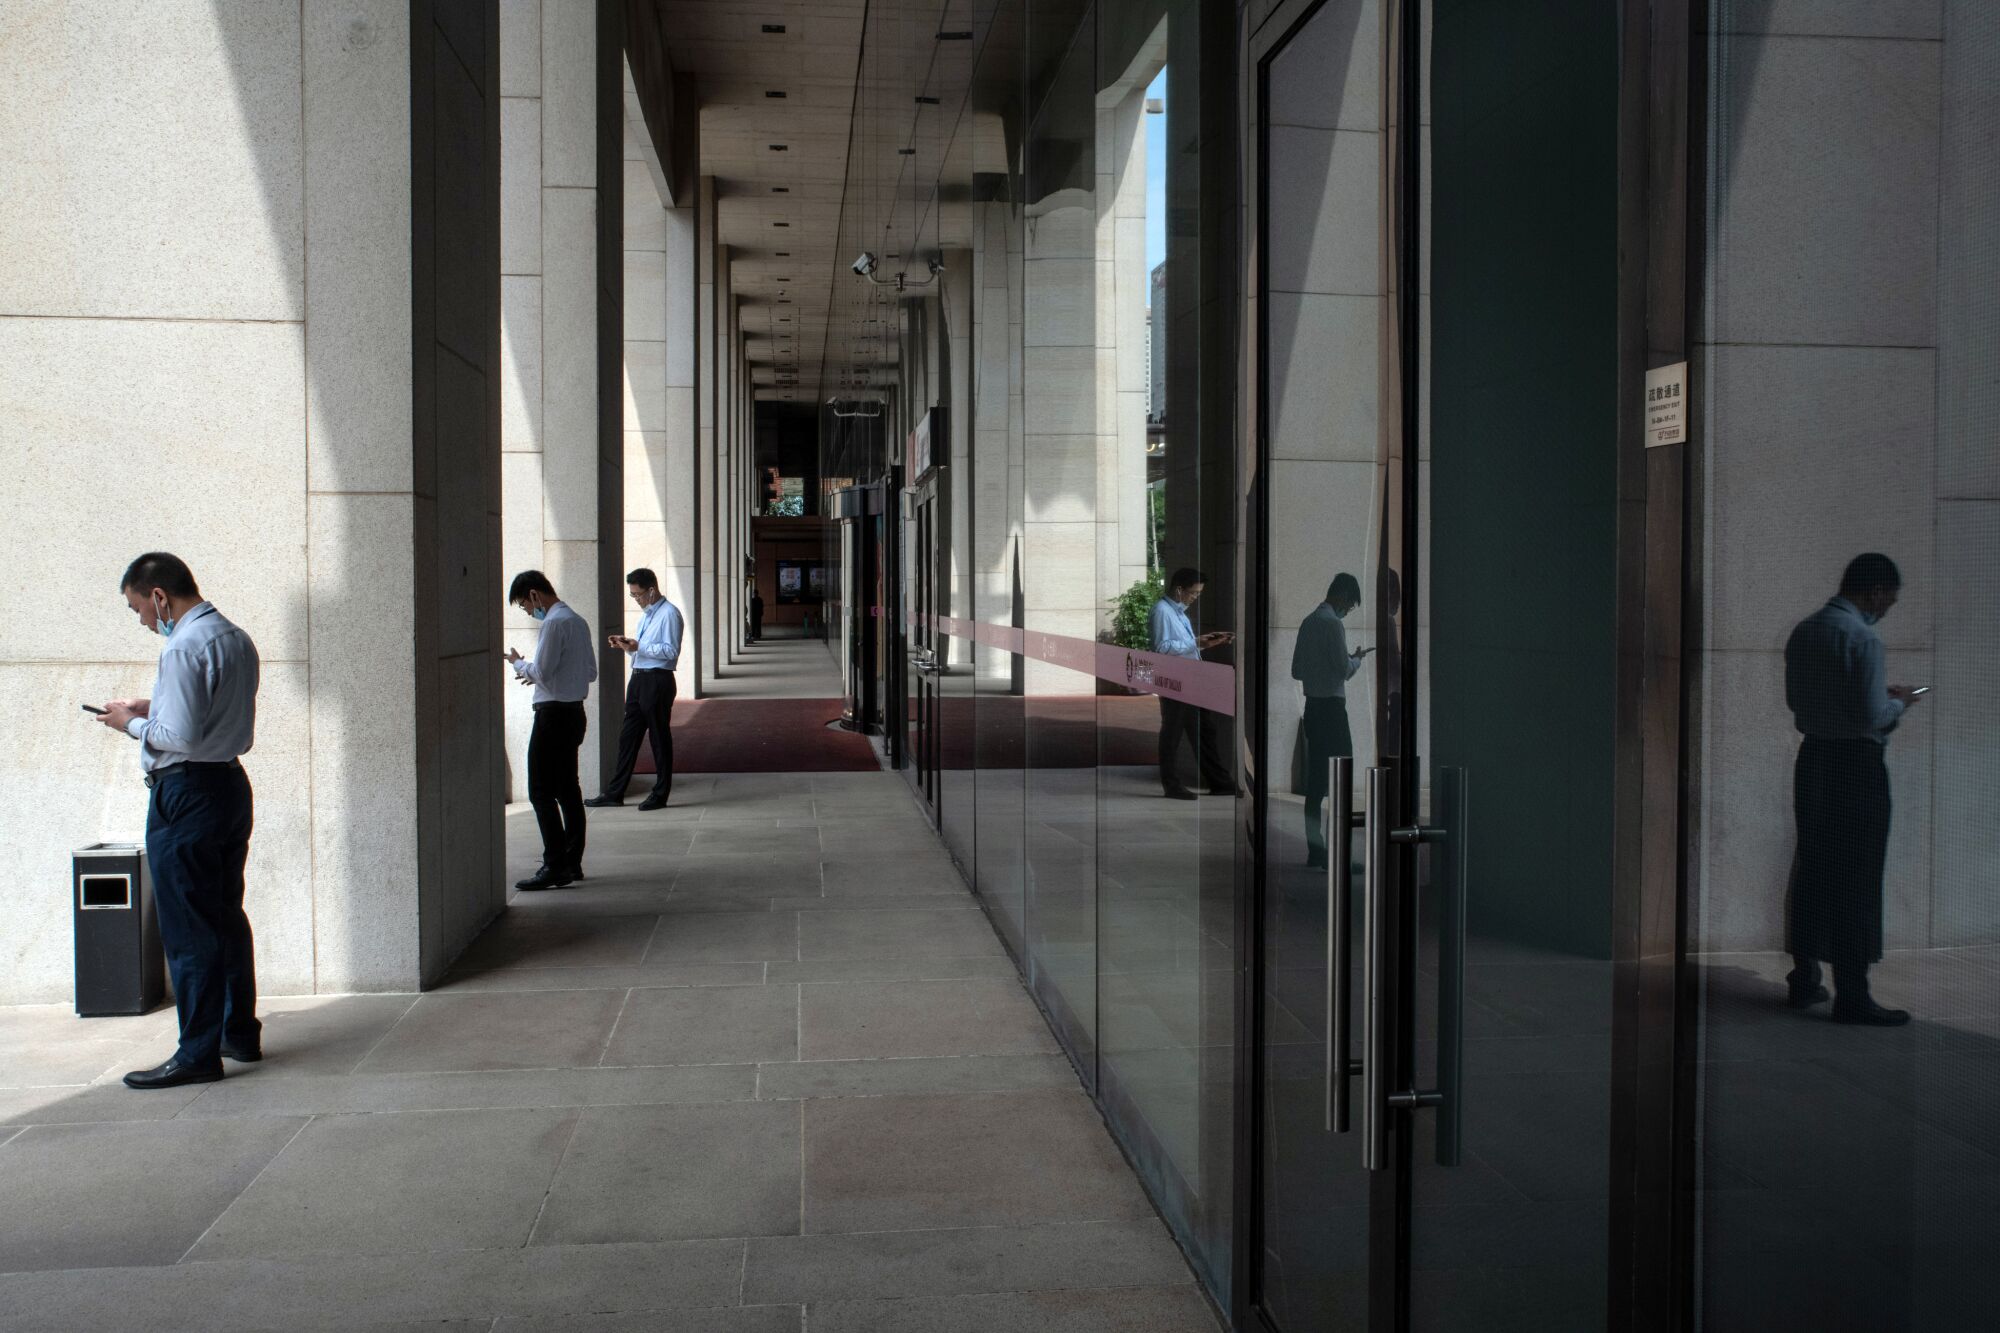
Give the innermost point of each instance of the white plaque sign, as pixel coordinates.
(1666, 405)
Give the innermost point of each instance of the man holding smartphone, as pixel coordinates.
(1836, 686)
(564, 665)
(649, 696)
(201, 717)
(1172, 633)
(1322, 664)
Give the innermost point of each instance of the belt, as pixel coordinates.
(558, 703)
(153, 778)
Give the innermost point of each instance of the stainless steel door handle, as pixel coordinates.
(1375, 970)
(1337, 821)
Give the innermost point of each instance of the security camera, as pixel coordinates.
(866, 264)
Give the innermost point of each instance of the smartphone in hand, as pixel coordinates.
(93, 708)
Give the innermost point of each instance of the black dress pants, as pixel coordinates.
(553, 788)
(197, 839)
(649, 707)
(1183, 721)
(1327, 738)
(1840, 800)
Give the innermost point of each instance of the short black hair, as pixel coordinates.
(157, 569)
(1870, 572)
(527, 581)
(1344, 585)
(1186, 577)
(643, 577)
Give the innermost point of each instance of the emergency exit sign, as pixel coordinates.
(1666, 405)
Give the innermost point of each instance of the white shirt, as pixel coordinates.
(564, 663)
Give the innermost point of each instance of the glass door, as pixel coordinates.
(925, 669)
(1438, 500)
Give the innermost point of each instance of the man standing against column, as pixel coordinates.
(201, 717)
(1322, 664)
(1836, 687)
(561, 670)
(649, 695)
(1173, 634)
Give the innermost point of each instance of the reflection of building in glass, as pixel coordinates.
(1156, 345)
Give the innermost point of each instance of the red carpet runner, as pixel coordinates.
(763, 736)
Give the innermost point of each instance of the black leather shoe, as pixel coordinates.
(1800, 998)
(243, 1055)
(653, 803)
(599, 802)
(1316, 861)
(545, 878)
(1867, 1013)
(1180, 794)
(174, 1074)
(1231, 792)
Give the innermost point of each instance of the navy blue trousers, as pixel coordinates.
(197, 839)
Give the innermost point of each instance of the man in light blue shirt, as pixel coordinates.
(564, 664)
(1837, 687)
(1322, 664)
(1172, 633)
(649, 695)
(202, 715)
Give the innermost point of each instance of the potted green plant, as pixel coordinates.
(1131, 623)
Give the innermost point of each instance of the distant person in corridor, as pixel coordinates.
(1836, 687)
(1322, 664)
(756, 615)
(201, 717)
(564, 664)
(1172, 633)
(649, 696)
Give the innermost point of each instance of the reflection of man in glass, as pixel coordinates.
(1322, 663)
(1173, 634)
(1841, 702)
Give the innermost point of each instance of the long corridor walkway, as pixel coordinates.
(766, 1069)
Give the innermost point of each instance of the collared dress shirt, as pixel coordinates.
(564, 663)
(659, 638)
(1320, 660)
(1835, 677)
(1170, 630)
(204, 705)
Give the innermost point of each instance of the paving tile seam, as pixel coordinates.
(386, 1034)
(612, 1031)
(549, 1186)
(223, 1212)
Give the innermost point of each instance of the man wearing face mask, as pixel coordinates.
(202, 715)
(1837, 688)
(564, 664)
(1322, 664)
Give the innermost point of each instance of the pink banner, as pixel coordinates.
(1206, 685)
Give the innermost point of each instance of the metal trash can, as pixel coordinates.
(120, 968)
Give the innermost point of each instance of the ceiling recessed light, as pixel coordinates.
(774, 27)
(946, 36)
(927, 101)
(774, 92)
(783, 254)
(781, 148)
(906, 152)
(781, 224)
(781, 189)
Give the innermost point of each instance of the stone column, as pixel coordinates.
(701, 636)
(282, 307)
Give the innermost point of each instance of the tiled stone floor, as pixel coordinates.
(784, 664)
(745, 1078)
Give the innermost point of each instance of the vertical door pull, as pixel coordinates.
(1375, 970)
(1337, 824)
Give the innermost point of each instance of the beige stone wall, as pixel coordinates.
(206, 345)
(1850, 406)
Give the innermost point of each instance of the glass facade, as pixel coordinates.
(1256, 397)
(1027, 176)
(1844, 933)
